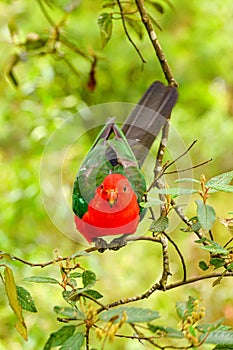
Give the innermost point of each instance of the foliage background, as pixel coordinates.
(197, 39)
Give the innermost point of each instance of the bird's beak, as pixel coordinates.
(112, 197)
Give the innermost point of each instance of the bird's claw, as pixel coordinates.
(100, 244)
(117, 243)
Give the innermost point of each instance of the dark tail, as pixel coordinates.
(144, 123)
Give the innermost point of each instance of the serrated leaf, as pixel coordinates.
(160, 225)
(88, 278)
(206, 215)
(12, 296)
(25, 299)
(41, 279)
(203, 265)
(222, 179)
(217, 262)
(151, 203)
(222, 188)
(59, 337)
(220, 337)
(134, 314)
(187, 179)
(74, 342)
(105, 25)
(69, 312)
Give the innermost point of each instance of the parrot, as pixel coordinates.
(110, 185)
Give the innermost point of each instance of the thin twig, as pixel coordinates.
(127, 33)
(154, 40)
(186, 169)
(180, 255)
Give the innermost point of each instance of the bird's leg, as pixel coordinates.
(100, 244)
(118, 243)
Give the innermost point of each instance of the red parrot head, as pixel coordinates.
(113, 210)
(115, 191)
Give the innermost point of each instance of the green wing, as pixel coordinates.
(110, 154)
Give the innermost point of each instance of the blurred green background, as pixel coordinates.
(197, 41)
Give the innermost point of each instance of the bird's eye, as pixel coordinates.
(101, 187)
(125, 188)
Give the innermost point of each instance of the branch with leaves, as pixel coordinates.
(85, 309)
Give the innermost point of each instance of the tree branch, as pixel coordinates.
(154, 40)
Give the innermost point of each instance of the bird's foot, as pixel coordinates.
(118, 243)
(100, 244)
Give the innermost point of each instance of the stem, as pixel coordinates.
(127, 33)
(154, 40)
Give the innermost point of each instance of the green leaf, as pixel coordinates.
(185, 309)
(94, 294)
(89, 278)
(105, 25)
(134, 314)
(190, 304)
(12, 296)
(181, 309)
(222, 179)
(74, 342)
(223, 347)
(75, 275)
(69, 312)
(187, 179)
(206, 215)
(217, 262)
(59, 337)
(160, 225)
(216, 249)
(220, 337)
(152, 202)
(203, 265)
(25, 299)
(230, 266)
(41, 279)
(222, 188)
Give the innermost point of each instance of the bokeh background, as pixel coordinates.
(52, 87)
